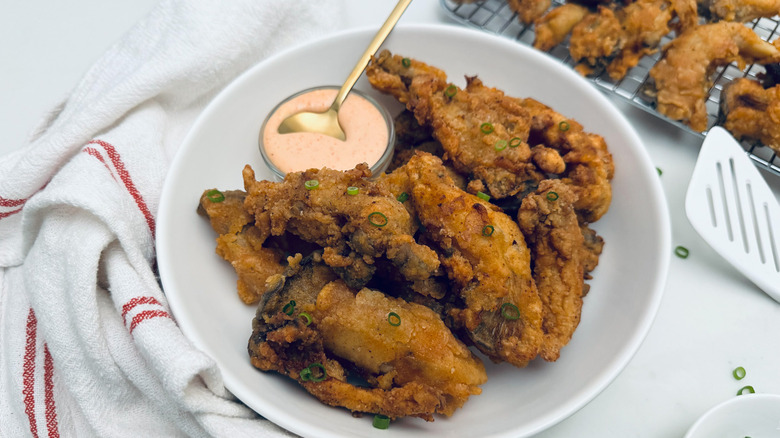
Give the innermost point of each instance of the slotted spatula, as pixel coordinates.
(731, 206)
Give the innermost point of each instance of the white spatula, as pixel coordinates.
(731, 206)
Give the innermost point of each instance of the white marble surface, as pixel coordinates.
(710, 321)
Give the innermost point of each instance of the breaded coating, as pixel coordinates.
(397, 341)
(506, 145)
(752, 112)
(410, 359)
(529, 11)
(468, 142)
(558, 251)
(687, 12)
(353, 229)
(486, 259)
(240, 242)
(644, 23)
(595, 40)
(682, 76)
(589, 164)
(742, 10)
(552, 28)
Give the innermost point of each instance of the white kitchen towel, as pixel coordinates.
(88, 345)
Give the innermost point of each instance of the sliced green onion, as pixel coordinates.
(483, 196)
(451, 91)
(381, 222)
(739, 373)
(307, 374)
(488, 230)
(681, 252)
(552, 196)
(289, 308)
(406, 62)
(305, 317)
(402, 197)
(381, 421)
(486, 128)
(564, 126)
(352, 190)
(746, 389)
(215, 196)
(500, 145)
(311, 184)
(515, 142)
(660, 172)
(393, 319)
(510, 311)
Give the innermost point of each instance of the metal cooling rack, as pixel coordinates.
(495, 16)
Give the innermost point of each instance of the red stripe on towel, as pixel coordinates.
(11, 202)
(28, 372)
(9, 213)
(116, 160)
(95, 153)
(135, 302)
(48, 382)
(147, 314)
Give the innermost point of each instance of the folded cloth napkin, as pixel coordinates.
(88, 344)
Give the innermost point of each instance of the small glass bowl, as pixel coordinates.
(376, 169)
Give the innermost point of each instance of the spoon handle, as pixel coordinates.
(379, 38)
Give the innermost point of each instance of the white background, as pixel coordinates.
(710, 321)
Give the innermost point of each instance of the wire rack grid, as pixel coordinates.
(495, 16)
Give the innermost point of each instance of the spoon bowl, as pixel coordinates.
(327, 122)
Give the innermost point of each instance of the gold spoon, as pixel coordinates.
(328, 122)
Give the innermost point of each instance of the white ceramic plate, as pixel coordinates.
(751, 415)
(618, 311)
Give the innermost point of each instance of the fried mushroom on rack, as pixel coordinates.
(752, 112)
(682, 78)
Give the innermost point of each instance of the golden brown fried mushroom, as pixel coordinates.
(558, 251)
(752, 112)
(682, 76)
(315, 330)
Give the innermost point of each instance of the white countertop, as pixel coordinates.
(711, 319)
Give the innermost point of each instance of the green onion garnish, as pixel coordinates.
(305, 317)
(746, 389)
(352, 190)
(681, 252)
(552, 196)
(500, 145)
(510, 311)
(451, 91)
(311, 184)
(486, 128)
(488, 230)
(564, 126)
(515, 142)
(739, 373)
(307, 374)
(289, 308)
(381, 421)
(380, 222)
(406, 62)
(660, 172)
(483, 196)
(215, 196)
(393, 319)
(402, 197)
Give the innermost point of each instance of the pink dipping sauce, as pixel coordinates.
(363, 124)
